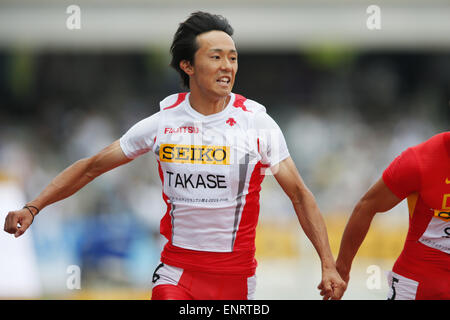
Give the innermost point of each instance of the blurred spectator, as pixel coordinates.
(19, 272)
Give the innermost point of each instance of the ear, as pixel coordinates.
(187, 67)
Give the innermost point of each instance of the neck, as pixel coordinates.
(208, 106)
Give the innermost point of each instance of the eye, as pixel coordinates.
(217, 57)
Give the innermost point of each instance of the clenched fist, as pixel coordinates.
(17, 222)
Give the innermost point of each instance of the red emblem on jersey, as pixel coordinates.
(231, 121)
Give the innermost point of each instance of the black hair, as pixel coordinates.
(184, 44)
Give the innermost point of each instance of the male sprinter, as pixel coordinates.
(422, 175)
(212, 147)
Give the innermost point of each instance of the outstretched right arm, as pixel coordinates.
(379, 198)
(66, 184)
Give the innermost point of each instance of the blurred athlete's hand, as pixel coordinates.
(332, 286)
(343, 270)
(17, 222)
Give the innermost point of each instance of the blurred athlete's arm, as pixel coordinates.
(313, 225)
(379, 198)
(67, 183)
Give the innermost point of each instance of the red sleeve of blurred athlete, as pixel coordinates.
(402, 176)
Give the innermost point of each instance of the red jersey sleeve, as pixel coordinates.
(402, 176)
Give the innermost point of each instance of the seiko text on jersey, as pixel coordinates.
(195, 154)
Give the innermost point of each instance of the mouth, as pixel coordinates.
(224, 81)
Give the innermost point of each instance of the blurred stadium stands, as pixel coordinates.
(347, 99)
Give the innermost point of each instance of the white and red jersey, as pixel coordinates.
(211, 168)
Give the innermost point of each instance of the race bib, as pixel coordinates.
(437, 234)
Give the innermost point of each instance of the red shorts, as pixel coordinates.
(420, 273)
(172, 283)
(421, 288)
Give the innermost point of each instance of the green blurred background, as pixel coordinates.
(348, 99)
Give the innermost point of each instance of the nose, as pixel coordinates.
(226, 64)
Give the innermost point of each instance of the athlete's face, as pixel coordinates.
(215, 64)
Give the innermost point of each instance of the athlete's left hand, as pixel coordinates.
(332, 286)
